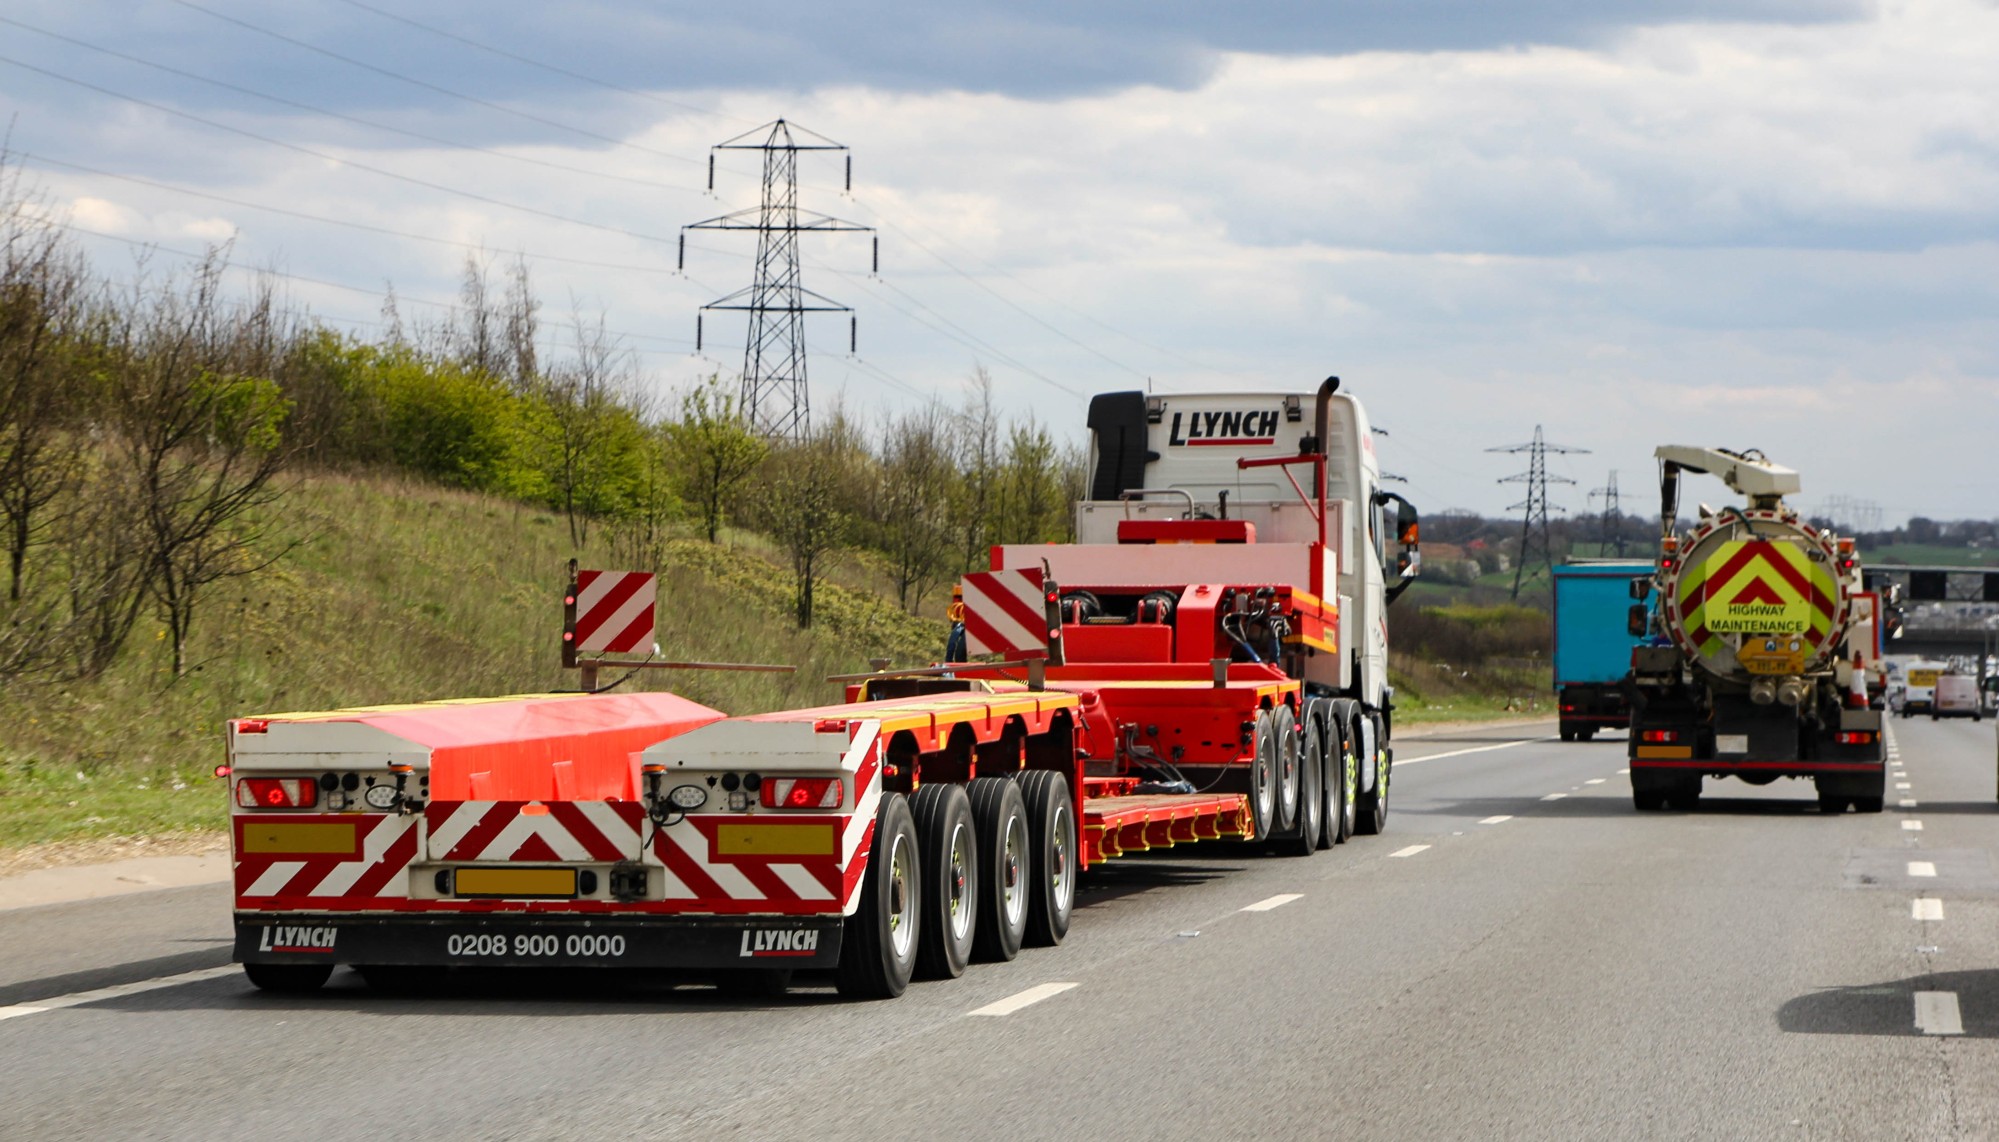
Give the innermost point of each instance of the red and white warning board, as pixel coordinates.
(1005, 614)
(614, 611)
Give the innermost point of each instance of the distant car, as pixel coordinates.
(1956, 697)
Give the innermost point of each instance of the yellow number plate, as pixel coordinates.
(515, 883)
(293, 838)
(775, 840)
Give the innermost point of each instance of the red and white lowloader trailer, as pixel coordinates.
(1207, 663)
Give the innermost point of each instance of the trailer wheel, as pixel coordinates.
(878, 952)
(950, 853)
(1647, 800)
(1005, 858)
(1051, 823)
(1567, 734)
(1284, 731)
(1263, 776)
(1586, 733)
(1685, 794)
(289, 978)
(1372, 816)
(1303, 838)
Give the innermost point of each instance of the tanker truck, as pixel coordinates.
(1762, 657)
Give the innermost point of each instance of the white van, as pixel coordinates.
(1956, 697)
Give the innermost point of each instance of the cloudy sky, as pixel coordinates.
(1748, 223)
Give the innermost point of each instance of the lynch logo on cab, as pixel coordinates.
(1246, 426)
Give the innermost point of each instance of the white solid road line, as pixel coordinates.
(1032, 995)
(1554, 797)
(1277, 901)
(1913, 826)
(1496, 820)
(1925, 908)
(1936, 1013)
(1400, 761)
(1412, 850)
(76, 999)
(1922, 868)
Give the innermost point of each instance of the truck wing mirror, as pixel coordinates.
(1634, 620)
(1641, 588)
(1408, 532)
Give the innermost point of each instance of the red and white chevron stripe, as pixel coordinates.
(697, 876)
(1005, 614)
(379, 873)
(534, 830)
(614, 611)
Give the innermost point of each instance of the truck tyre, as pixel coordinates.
(878, 950)
(1346, 771)
(1647, 800)
(1567, 734)
(1585, 733)
(1686, 794)
(1284, 731)
(1051, 829)
(1303, 838)
(1328, 761)
(1262, 776)
(950, 854)
(999, 816)
(1371, 816)
(289, 978)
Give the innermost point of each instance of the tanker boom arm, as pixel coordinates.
(1747, 473)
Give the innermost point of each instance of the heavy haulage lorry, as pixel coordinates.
(1206, 663)
(1763, 658)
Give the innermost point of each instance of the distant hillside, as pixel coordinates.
(401, 591)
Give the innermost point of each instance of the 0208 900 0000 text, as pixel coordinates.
(548, 944)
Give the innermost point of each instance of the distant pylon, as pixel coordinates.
(775, 400)
(1534, 544)
(1612, 533)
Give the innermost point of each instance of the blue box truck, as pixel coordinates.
(1593, 644)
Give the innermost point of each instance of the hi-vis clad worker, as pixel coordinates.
(954, 649)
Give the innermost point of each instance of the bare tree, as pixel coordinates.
(584, 410)
(912, 508)
(717, 450)
(198, 428)
(807, 510)
(978, 464)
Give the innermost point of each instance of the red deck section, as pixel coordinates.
(563, 746)
(1113, 826)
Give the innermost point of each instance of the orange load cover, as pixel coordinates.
(563, 747)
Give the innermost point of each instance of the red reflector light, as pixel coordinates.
(1856, 737)
(801, 793)
(253, 725)
(1568, 709)
(222, 770)
(1663, 736)
(830, 726)
(277, 792)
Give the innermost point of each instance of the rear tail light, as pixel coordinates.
(1568, 709)
(277, 793)
(253, 725)
(1659, 736)
(1856, 737)
(801, 793)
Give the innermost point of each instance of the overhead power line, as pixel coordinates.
(331, 158)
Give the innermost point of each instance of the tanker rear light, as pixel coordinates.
(277, 792)
(802, 793)
(1659, 737)
(1856, 737)
(1568, 709)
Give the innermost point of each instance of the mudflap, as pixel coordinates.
(488, 940)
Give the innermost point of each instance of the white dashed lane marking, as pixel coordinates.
(1901, 785)
(1594, 781)
(1922, 868)
(1913, 826)
(1015, 1002)
(1907, 802)
(1554, 797)
(1623, 771)
(1410, 851)
(122, 990)
(1277, 901)
(1936, 1013)
(1497, 820)
(1925, 908)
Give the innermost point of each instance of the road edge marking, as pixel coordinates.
(119, 991)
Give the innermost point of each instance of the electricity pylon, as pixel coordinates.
(1534, 543)
(775, 400)
(1612, 531)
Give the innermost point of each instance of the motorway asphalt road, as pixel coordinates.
(1522, 955)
